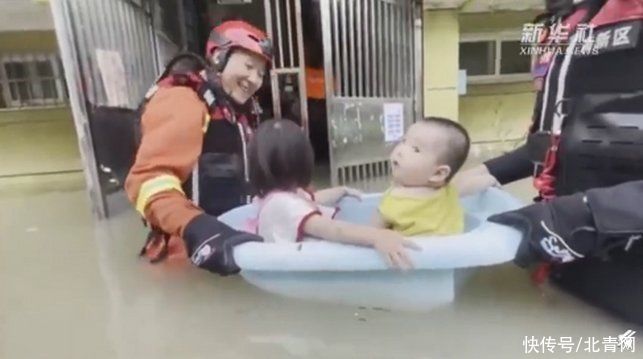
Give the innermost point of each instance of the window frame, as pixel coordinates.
(34, 79)
(497, 38)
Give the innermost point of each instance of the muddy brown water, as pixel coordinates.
(71, 287)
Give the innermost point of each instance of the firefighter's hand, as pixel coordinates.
(210, 244)
(558, 231)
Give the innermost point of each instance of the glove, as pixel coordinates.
(558, 231)
(210, 244)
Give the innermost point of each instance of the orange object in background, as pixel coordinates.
(315, 84)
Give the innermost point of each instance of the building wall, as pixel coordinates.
(495, 21)
(25, 15)
(496, 116)
(44, 140)
(36, 140)
(28, 41)
(498, 104)
(441, 36)
(502, 111)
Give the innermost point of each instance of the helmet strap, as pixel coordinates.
(225, 100)
(221, 59)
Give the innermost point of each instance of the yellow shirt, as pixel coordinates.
(440, 214)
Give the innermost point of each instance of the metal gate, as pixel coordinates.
(110, 52)
(373, 70)
(284, 26)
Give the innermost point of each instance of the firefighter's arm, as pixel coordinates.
(473, 181)
(172, 127)
(577, 226)
(510, 167)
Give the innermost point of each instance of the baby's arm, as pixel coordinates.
(330, 196)
(390, 244)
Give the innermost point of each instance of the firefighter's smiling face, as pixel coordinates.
(243, 75)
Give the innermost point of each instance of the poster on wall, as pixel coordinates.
(112, 71)
(393, 121)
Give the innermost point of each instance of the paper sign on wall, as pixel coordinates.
(393, 121)
(112, 71)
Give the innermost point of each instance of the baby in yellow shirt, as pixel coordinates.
(422, 199)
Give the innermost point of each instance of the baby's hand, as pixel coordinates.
(392, 246)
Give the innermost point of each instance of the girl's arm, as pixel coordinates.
(331, 196)
(378, 221)
(390, 244)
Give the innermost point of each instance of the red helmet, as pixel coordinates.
(238, 34)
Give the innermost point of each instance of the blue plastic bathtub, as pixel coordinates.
(326, 271)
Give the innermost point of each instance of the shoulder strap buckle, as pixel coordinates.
(151, 92)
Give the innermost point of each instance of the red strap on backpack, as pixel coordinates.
(545, 181)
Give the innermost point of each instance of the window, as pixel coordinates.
(31, 80)
(478, 58)
(511, 61)
(493, 58)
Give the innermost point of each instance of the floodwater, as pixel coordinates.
(73, 288)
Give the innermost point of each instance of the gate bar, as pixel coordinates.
(345, 77)
(360, 49)
(289, 23)
(367, 45)
(303, 95)
(281, 39)
(337, 65)
(68, 53)
(274, 85)
(352, 62)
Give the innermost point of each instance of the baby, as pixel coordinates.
(422, 199)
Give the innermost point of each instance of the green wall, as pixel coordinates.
(36, 140)
(28, 41)
(497, 112)
(441, 37)
(495, 21)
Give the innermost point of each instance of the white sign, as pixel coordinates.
(393, 121)
(462, 82)
(112, 71)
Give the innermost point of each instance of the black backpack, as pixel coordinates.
(116, 131)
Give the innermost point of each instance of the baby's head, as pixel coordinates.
(280, 157)
(431, 152)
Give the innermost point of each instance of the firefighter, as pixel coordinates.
(191, 163)
(588, 224)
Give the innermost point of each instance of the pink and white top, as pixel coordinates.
(282, 215)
